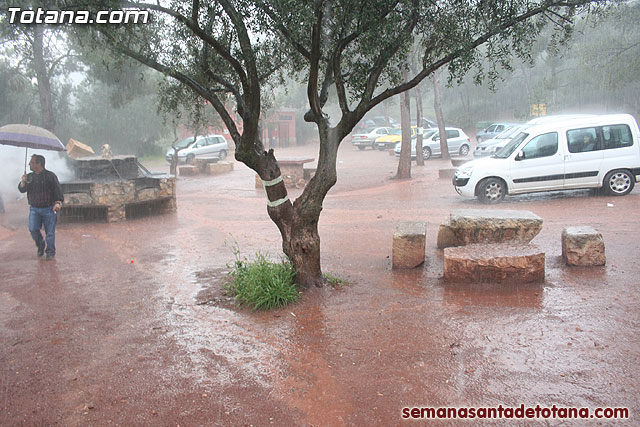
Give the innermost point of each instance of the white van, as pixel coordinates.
(577, 152)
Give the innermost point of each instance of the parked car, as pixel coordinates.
(490, 146)
(388, 142)
(367, 124)
(492, 130)
(202, 146)
(426, 123)
(457, 141)
(585, 152)
(368, 139)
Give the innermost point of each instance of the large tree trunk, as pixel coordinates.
(298, 221)
(404, 165)
(444, 148)
(42, 77)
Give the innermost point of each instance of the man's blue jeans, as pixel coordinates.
(47, 217)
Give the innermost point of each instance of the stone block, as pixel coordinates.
(446, 236)
(499, 262)
(309, 173)
(446, 173)
(409, 242)
(467, 226)
(76, 149)
(188, 170)
(583, 245)
(218, 168)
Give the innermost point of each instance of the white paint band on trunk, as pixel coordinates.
(272, 182)
(277, 202)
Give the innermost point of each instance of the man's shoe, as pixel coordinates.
(50, 256)
(41, 249)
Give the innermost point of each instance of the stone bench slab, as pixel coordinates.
(189, 170)
(583, 245)
(504, 262)
(468, 226)
(218, 168)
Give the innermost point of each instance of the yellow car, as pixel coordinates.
(388, 142)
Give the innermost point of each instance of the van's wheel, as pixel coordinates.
(223, 154)
(464, 150)
(619, 182)
(190, 158)
(426, 153)
(491, 190)
(361, 147)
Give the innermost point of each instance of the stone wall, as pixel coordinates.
(116, 195)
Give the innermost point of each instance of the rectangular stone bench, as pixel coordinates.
(583, 245)
(202, 163)
(501, 262)
(409, 241)
(188, 170)
(218, 168)
(309, 173)
(467, 226)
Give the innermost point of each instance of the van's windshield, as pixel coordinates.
(506, 151)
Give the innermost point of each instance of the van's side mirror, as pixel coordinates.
(520, 155)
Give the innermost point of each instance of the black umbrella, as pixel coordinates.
(29, 136)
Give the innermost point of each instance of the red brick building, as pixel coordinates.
(278, 129)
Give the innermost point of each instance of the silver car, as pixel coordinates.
(363, 140)
(457, 141)
(203, 146)
(490, 146)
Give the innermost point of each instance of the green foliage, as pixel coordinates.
(261, 283)
(592, 72)
(334, 281)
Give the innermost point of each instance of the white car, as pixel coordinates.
(368, 139)
(490, 146)
(569, 153)
(457, 141)
(203, 146)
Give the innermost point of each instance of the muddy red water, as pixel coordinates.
(118, 330)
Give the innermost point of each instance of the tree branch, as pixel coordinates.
(196, 30)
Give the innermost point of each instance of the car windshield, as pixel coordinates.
(508, 132)
(506, 151)
(185, 142)
(427, 133)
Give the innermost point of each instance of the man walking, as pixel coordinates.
(45, 199)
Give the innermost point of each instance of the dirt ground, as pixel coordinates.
(118, 330)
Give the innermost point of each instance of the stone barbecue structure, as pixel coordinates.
(115, 189)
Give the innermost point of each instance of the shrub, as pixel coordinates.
(262, 284)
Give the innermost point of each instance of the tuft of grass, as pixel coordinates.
(334, 281)
(262, 284)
